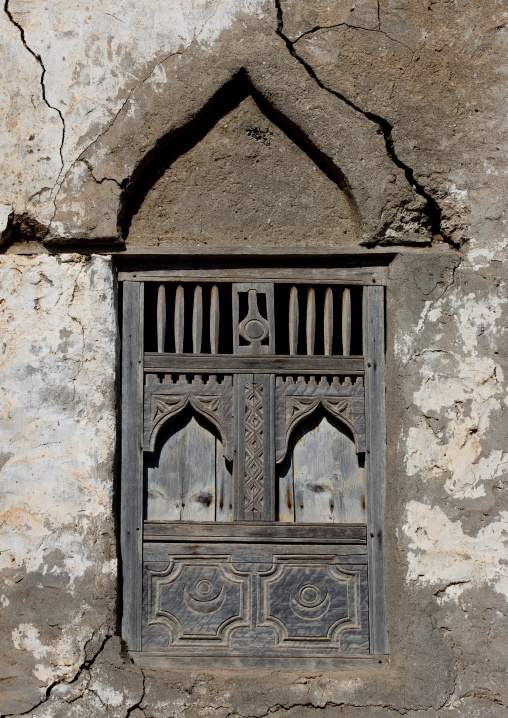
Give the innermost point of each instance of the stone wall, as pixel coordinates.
(390, 120)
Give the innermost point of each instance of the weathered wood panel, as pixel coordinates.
(131, 494)
(343, 534)
(279, 364)
(181, 478)
(373, 325)
(255, 599)
(329, 485)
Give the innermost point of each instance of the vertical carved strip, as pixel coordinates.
(293, 321)
(346, 322)
(179, 319)
(161, 318)
(214, 320)
(197, 320)
(254, 452)
(328, 327)
(311, 321)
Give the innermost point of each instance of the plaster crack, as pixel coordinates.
(353, 27)
(433, 210)
(38, 59)
(138, 704)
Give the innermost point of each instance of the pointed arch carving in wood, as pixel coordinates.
(213, 400)
(295, 401)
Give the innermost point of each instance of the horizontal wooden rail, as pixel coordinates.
(260, 531)
(266, 363)
(300, 275)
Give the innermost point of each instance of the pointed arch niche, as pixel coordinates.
(239, 174)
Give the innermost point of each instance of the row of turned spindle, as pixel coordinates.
(197, 320)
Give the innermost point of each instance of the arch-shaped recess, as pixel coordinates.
(186, 475)
(170, 407)
(238, 170)
(304, 407)
(90, 204)
(322, 478)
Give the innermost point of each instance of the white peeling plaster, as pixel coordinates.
(440, 551)
(480, 257)
(95, 54)
(57, 360)
(463, 388)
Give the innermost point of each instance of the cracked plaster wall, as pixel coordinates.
(429, 77)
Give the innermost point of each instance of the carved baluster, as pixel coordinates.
(197, 320)
(346, 322)
(214, 320)
(161, 318)
(328, 328)
(293, 321)
(311, 321)
(179, 319)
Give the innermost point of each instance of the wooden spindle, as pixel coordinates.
(346, 322)
(293, 321)
(197, 320)
(179, 319)
(214, 320)
(161, 318)
(311, 321)
(328, 327)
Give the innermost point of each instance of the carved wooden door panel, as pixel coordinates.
(249, 506)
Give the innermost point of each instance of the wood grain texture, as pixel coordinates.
(346, 322)
(346, 534)
(179, 318)
(277, 364)
(328, 321)
(181, 475)
(197, 320)
(293, 321)
(329, 485)
(214, 320)
(131, 498)
(161, 318)
(254, 333)
(308, 602)
(311, 321)
(373, 323)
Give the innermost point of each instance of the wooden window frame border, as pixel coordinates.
(360, 267)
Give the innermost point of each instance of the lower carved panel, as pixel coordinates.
(255, 600)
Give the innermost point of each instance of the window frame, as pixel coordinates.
(133, 271)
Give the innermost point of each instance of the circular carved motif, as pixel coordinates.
(254, 329)
(204, 587)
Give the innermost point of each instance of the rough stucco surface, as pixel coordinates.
(409, 101)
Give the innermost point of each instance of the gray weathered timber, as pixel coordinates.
(181, 480)
(224, 486)
(304, 275)
(346, 322)
(373, 322)
(328, 321)
(348, 662)
(256, 330)
(293, 321)
(179, 319)
(329, 485)
(311, 321)
(295, 401)
(354, 535)
(260, 599)
(197, 320)
(161, 318)
(214, 320)
(164, 401)
(274, 363)
(131, 496)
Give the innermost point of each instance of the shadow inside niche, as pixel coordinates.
(178, 143)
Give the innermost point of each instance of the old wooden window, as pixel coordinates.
(252, 486)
